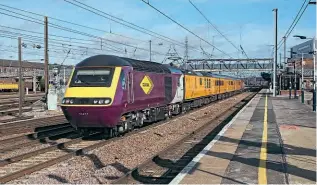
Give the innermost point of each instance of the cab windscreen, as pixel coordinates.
(92, 77)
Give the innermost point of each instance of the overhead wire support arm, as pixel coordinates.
(294, 23)
(214, 26)
(185, 28)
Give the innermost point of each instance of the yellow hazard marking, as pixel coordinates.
(147, 84)
(262, 179)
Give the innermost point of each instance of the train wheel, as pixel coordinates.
(184, 110)
(84, 132)
(108, 133)
(113, 132)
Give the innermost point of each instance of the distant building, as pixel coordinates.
(32, 72)
(10, 68)
(13, 66)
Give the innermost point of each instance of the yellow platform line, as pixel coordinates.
(262, 179)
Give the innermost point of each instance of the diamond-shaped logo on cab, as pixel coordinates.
(147, 84)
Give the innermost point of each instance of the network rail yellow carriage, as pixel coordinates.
(115, 94)
(9, 87)
(203, 87)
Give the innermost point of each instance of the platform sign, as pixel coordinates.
(147, 84)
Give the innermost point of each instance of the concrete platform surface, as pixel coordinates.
(272, 140)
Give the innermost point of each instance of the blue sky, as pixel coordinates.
(253, 19)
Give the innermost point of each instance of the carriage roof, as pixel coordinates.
(111, 60)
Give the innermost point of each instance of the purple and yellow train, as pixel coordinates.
(116, 94)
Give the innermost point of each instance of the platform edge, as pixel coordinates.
(190, 166)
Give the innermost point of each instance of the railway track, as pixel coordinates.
(44, 133)
(162, 167)
(8, 93)
(10, 106)
(16, 95)
(12, 112)
(4, 105)
(30, 162)
(29, 100)
(18, 166)
(30, 125)
(16, 119)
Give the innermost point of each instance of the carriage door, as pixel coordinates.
(180, 88)
(130, 87)
(168, 89)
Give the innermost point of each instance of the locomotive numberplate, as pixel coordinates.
(83, 113)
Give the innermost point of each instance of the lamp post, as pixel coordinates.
(271, 85)
(302, 93)
(314, 74)
(295, 76)
(302, 75)
(314, 56)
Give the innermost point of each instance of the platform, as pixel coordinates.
(272, 140)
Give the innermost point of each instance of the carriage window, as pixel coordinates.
(200, 81)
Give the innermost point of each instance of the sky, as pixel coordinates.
(248, 23)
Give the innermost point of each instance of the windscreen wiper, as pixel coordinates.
(85, 82)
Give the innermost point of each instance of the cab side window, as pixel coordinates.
(123, 80)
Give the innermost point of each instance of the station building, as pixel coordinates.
(301, 59)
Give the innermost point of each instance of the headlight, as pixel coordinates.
(107, 101)
(87, 101)
(101, 101)
(68, 101)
